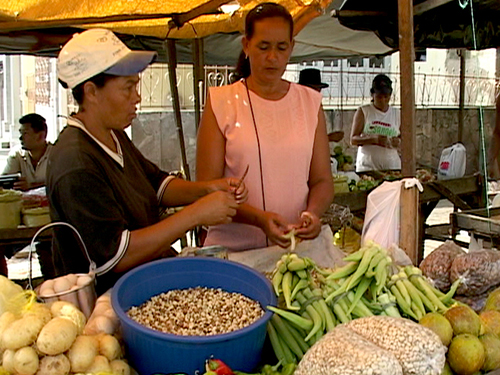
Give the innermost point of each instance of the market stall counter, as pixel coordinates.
(482, 223)
(464, 193)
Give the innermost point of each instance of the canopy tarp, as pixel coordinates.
(42, 27)
(178, 19)
(471, 24)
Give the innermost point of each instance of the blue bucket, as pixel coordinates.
(151, 351)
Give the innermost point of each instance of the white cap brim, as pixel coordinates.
(132, 63)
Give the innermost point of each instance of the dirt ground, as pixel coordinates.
(441, 215)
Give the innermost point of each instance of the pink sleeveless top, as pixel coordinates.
(286, 130)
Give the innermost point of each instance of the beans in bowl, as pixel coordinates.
(197, 311)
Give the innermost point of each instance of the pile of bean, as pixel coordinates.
(197, 312)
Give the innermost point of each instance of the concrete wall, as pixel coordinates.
(155, 134)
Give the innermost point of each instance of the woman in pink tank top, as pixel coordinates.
(277, 129)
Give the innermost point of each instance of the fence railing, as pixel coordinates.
(348, 88)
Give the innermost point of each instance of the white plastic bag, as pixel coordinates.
(452, 163)
(333, 165)
(320, 249)
(382, 224)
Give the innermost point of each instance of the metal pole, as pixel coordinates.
(342, 95)
(461, 97)
(172, 65)
(197, 49)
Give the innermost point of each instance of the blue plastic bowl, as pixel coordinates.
(153, 352)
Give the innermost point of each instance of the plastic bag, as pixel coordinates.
(347, 239)
(320, 249)
(452, 163)
(8, 293)
(333, 165)
(399, 257)
(103, 318)
(382, 224)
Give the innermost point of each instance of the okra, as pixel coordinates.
(360, 290)
(286, 336)
(343, 271)
(297, 335)
(292, 318)
(448, 296)
(363, 266)
(286, 285)
(303, 283)
(275, 343)
(315, 316)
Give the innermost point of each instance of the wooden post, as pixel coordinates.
(406, 67)
(461, 98)
(172, 65)
(497, 73)
(410, 224)
(409, 198)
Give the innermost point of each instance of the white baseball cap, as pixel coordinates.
(97, 51)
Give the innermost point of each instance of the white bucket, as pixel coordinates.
(10, 208)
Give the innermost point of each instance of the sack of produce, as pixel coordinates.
(476, 303)
(47, 339)
(480, 271)
(436, 266)
(341, 351)
(8, 292)
(418, 349)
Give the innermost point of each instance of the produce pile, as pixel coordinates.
(479, 271)
(51, 339)
(344, 161)
(314, 300)
(375, 345)
(365, 183)
(218, 367)
(473, 340)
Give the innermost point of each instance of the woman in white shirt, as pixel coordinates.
(375, 130)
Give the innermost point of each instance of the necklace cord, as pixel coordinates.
(259, 151)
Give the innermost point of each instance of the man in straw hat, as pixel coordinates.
(99, 182)
(311, 77)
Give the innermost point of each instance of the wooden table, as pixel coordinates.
(482, 223)
(22, 236)
(465, 193)
(12, 239)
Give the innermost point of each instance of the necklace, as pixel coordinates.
(259, 152)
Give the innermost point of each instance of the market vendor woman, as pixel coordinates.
(375, 130)
(277, 129)
(101, 184)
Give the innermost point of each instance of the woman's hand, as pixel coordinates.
(309, 227)
(383, 141)
(216, 208)
(388, 142)
(275, 227)
(395, 142)
(230, 185)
